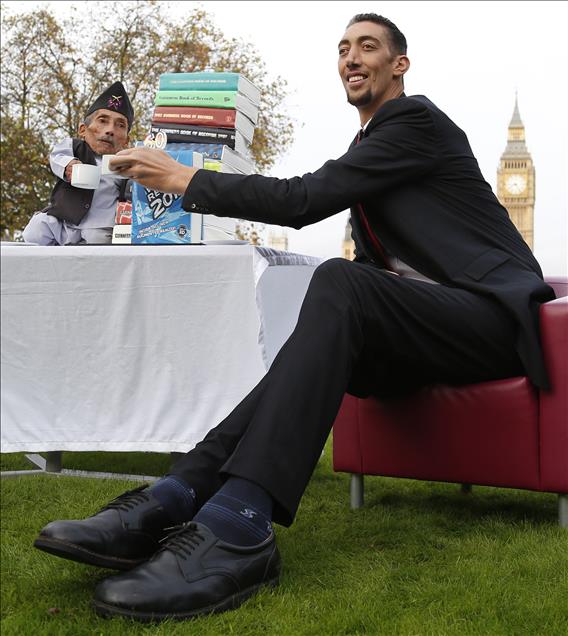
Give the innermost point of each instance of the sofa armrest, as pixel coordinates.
(553, 420)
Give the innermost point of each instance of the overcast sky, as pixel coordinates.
(467, 57)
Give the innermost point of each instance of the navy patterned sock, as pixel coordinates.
(177, 498)
(239, 513)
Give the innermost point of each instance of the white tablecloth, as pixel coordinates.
(137, 347)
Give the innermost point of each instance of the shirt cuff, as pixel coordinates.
(61, 163)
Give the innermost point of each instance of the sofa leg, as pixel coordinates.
(356, 491)
(465, 489)
(563, 510)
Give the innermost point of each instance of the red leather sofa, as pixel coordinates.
(504, 433)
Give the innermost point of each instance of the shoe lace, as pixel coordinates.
(129, 499)
(182, 540)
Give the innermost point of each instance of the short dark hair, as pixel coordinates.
(396, 37)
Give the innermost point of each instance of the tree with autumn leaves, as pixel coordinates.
(53, 69)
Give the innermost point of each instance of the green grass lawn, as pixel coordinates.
(419, 559)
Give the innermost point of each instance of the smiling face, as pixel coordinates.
(106, 133)
(370, 73)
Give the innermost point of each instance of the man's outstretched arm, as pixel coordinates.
(401, 149)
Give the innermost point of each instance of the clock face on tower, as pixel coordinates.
(515, 184)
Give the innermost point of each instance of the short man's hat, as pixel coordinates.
(114, 98)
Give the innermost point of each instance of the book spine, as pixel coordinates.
(214, 99)
(219, 166)
(207, 81)
(197, 82)
(216, 166)
(196, 134)
(209, 151)
(192, 128)
(216, 117)
(210, 117)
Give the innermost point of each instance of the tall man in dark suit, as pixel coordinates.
(443, 289)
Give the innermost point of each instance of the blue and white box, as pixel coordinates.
(158, 217)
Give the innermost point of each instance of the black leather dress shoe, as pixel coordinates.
(125, 533)
(194, 573)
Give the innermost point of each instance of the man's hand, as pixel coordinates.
(154, 169)
(69, 169)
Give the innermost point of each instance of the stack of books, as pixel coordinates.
(211, 113)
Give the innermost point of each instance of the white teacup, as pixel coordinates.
(106, 169)
(85, 176)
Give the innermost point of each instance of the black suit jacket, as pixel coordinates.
(422, 191)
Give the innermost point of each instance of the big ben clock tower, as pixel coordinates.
(515, 179)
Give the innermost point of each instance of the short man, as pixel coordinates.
(443, 289)
(77, 215)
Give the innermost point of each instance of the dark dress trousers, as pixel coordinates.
(363, 329)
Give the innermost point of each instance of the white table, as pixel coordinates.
(137, 348)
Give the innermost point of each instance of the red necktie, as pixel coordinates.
(377, 245)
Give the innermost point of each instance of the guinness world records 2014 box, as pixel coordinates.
(158, 217)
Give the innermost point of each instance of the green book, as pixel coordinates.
(209, 99)
(209, 81)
